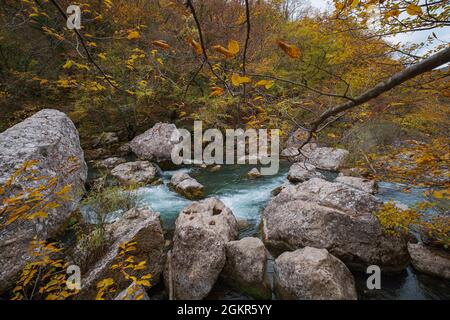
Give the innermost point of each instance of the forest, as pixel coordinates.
(92, 92)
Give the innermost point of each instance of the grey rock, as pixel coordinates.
(430, 260)
(245, 267)
(142, 226)
(366, 185)
(201, 231)
(50, 138)
(336, 217)
(187, 186)
(312, 274)
(133, 173)
(301, 172)
(254, 173)
(110, 163)
(156, 144)
(331, 159)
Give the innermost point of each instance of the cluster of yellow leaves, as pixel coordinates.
(129, 268)
(434, 229)
(69, 63)
(137, 54)
(237, 80)
(231, 51)
(33, 201)
(133, 35)
(45, 277)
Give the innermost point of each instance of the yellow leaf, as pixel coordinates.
(265, 83)
(133, 35)
(216, 91)
(233, 47)
(197, 47)
(237, 80)
(291, 50)
(68, 64)
(161, 44)
(413, 10)
(102, 56)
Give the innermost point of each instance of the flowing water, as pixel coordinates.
(247, 198)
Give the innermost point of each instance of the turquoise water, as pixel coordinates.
(247, 198)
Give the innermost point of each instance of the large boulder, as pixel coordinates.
(201, 231)
(336, 217)
(429, 260)
(366, 185)
(155, 144)
(142, 226)
(245, 268)
(185, 185)
(135, 173)
(312, 274)
(50, 138)
(324, 158)
(301, 172)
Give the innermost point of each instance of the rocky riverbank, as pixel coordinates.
(319, 231)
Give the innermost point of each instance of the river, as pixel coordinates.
(247, 198)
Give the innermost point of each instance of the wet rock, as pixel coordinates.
(366, 185)
(215, 168)
(433, 261)
(312, 274)
(198, 253)
(186, 186)
(301, 172)
(50, 138)
(142, 226)
(336, 217)
(245, 267)
(135, 173)
(254, 173)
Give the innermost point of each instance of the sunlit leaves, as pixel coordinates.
(413, 9)
(133, 35)
(231, 51)
(237, 80)
(265, 83)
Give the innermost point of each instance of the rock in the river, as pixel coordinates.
(110, 163)
(331, 159)
(133, 292)
(142, 226)
(278, 189)
(215, 168)
(429, 260)
(254, 173)
(187, 186)
(366, 185)
(156, 144)
(312, 274)
(135, 173)
(301, 172)
(50, 138)
(336, 217)
(201, 231)
(245, 268)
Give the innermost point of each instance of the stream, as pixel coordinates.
(248, 197)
